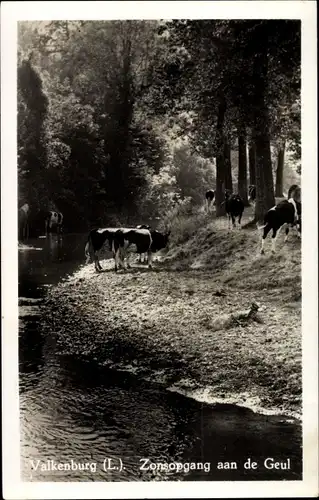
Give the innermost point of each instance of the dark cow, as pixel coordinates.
(23, 221)
(252, 192)
(287, 212)
(210, 195)
(234, 207)
(159, 240)
(96, 240)
(294, 192)
(53, 221)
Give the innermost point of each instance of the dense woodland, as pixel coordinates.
(120, 121)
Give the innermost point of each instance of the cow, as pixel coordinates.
(252, 193)
(53, 220)
(23, 221)
(96, 240)
(145, 241)
(287, 212)
(124, 238)
(234, 208)
(210, 195)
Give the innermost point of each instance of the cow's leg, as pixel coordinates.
(229, 222)
(128, 265)
(116, 255)
(296, 228)
(274, 238)
(286, 233)
(122, 255)
(239, 219)
(119, 257)
(267, 228)
(97, 264)
(233, 219)
(142, 258)
(149, 258)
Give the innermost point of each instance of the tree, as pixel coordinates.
(252, 163)
(32, 111)
(242, 165)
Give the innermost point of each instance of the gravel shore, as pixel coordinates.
(177, 324)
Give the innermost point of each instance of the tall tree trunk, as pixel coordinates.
(227, 166)
(252, 164)
(220, 163)
(242, 166)
(280, 171)
(265, 198)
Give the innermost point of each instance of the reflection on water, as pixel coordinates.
(75, 412)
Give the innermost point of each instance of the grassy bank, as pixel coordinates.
(179, 323)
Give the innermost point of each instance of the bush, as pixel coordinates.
(184, 220)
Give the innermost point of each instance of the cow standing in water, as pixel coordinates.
(53, 220)
(23, 221)
(210, 195)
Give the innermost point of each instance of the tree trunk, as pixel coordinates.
(227, 166)
(252, 164)
(265, 198)
(280, 171)
(242, 167)
(220, 164)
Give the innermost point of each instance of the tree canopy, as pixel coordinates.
(127, 118)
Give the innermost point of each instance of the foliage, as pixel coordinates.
(133, 117)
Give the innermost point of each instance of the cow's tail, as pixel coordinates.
(88, 247)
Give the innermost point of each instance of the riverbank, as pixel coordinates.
(179, 324)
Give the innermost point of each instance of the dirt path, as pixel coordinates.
(174, 325)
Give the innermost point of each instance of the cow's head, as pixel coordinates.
(227, 193)
(296, 195)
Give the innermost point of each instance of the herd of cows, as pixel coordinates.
(147, 241)
(50, 219)
(287, 213)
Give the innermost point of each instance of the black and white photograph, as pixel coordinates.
(163, 218)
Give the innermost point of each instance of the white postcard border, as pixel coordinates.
(11, 12)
